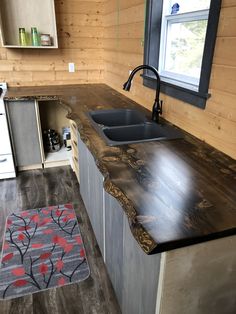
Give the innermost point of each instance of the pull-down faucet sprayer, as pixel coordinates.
(157, 106)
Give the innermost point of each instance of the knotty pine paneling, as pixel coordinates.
(105, 40)
(228, 3)
(227, 26)
(123, 50)
(80, 34)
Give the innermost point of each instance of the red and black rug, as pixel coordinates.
(42, 249)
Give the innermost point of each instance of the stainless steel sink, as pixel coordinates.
(145, 132)
(116, 117)
(127, 126)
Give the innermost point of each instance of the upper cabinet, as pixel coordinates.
(27, 14)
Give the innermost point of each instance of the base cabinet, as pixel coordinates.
(29, 119)
(114, 218)
(83, 172)
(134, 275)
(140, 276)
(197, 279)
(95, 202)
(91, 189)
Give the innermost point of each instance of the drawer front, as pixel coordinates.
(73, 127)
(6, 164)
(74, 148)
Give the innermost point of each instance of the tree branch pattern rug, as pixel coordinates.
(42, 249)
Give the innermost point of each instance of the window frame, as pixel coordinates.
(177, 78)
(152, 53)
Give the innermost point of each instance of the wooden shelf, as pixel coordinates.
(51, 115)
(27, 47)
(56, 159)
(15, 14)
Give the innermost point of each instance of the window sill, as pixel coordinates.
(192, 97)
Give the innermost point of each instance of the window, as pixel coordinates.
(179, 42)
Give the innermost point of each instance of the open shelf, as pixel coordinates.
(53, 116)
(27, 47)
(61, 158)
(15, 14)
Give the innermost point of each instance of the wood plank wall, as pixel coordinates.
(123, 44)
(80, 32)
(105, 40)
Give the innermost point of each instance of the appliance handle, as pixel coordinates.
(3, 160)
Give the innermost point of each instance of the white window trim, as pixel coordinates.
(171, 77)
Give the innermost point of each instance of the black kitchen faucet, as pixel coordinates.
(157, 106)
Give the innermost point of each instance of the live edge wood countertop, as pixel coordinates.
(175, 193)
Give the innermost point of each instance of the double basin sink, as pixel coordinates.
(127, 126)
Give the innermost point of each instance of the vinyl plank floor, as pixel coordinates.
(54, 186)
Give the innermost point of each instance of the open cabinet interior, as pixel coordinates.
(17, 14)
(56, 148)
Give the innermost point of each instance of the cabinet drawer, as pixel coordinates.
(75, 160)
(74, 149)
(6, 163)
(76, 164)
(73, 126)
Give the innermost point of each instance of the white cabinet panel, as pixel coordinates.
(5, 146)
(6, 164)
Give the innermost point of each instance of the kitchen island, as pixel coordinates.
(172, 197)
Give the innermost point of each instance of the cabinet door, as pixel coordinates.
(91, 188)
(114, 243)
(83, 172)
(140, 277)
(24, 129)
(95, 206)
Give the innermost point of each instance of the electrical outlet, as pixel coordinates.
(71, 67)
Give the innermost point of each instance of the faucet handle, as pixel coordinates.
(160, 106)
(157, 110)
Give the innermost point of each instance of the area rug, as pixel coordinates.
(42, 249)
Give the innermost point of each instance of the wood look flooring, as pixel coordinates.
(38, 188)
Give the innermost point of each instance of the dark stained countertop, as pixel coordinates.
(175, 193)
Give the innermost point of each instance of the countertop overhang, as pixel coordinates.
(175, 193)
